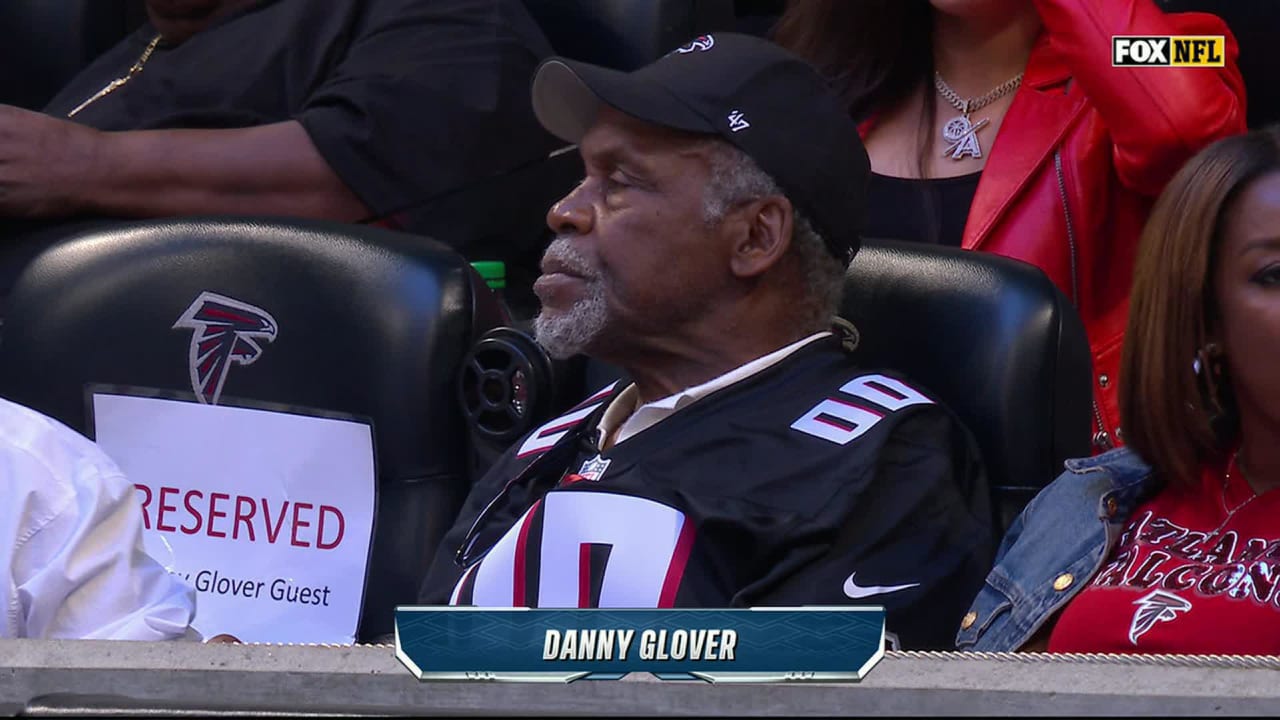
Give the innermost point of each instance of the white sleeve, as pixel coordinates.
(80, 570)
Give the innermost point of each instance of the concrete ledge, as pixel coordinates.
(85, 677)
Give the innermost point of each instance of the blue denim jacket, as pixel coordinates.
(1054, 548)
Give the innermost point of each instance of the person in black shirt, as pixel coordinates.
(751, 461)
(360, 110)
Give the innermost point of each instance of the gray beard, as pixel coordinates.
(569, 333)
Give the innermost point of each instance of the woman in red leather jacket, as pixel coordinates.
(1002, 126)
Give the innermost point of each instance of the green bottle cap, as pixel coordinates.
(494, 273)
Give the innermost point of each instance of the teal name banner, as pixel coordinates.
(818, 644)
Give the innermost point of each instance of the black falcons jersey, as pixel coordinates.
(810, 483)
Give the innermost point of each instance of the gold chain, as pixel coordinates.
(115, 84)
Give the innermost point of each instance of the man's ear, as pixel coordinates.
(763, 237)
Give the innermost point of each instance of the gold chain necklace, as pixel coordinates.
(115, 84)
(960, 132)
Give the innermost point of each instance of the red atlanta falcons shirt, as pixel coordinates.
(1174, 585)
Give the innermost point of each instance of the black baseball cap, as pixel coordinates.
(756, 95)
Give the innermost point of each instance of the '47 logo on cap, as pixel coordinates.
(702, 43)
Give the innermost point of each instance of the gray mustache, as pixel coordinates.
(565, 253)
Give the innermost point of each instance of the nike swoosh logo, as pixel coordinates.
(857, 592)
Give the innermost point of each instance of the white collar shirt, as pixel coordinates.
(626, 416)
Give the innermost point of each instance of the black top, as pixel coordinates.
(933, 210)
(404, 99)
(810, 483)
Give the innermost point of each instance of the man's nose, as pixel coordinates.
(572, 215)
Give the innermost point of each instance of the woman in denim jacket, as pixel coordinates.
(1171, 545)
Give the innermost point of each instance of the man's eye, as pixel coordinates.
(616, 181)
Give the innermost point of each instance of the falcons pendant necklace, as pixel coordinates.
(960, 133)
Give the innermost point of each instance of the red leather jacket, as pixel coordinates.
(1097, 144)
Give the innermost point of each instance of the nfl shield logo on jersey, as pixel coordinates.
(594, 468)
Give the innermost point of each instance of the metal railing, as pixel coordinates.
(56, 677)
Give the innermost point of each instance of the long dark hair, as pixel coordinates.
(874, 53)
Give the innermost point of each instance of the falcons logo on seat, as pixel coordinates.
(1154, 607)
(227, 332)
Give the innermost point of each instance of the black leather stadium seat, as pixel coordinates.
(372, 323)
(994, 339)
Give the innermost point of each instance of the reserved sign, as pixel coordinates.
(268, 515)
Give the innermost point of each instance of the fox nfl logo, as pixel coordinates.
(1168, 50)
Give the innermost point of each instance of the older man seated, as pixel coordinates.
(751, 461)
